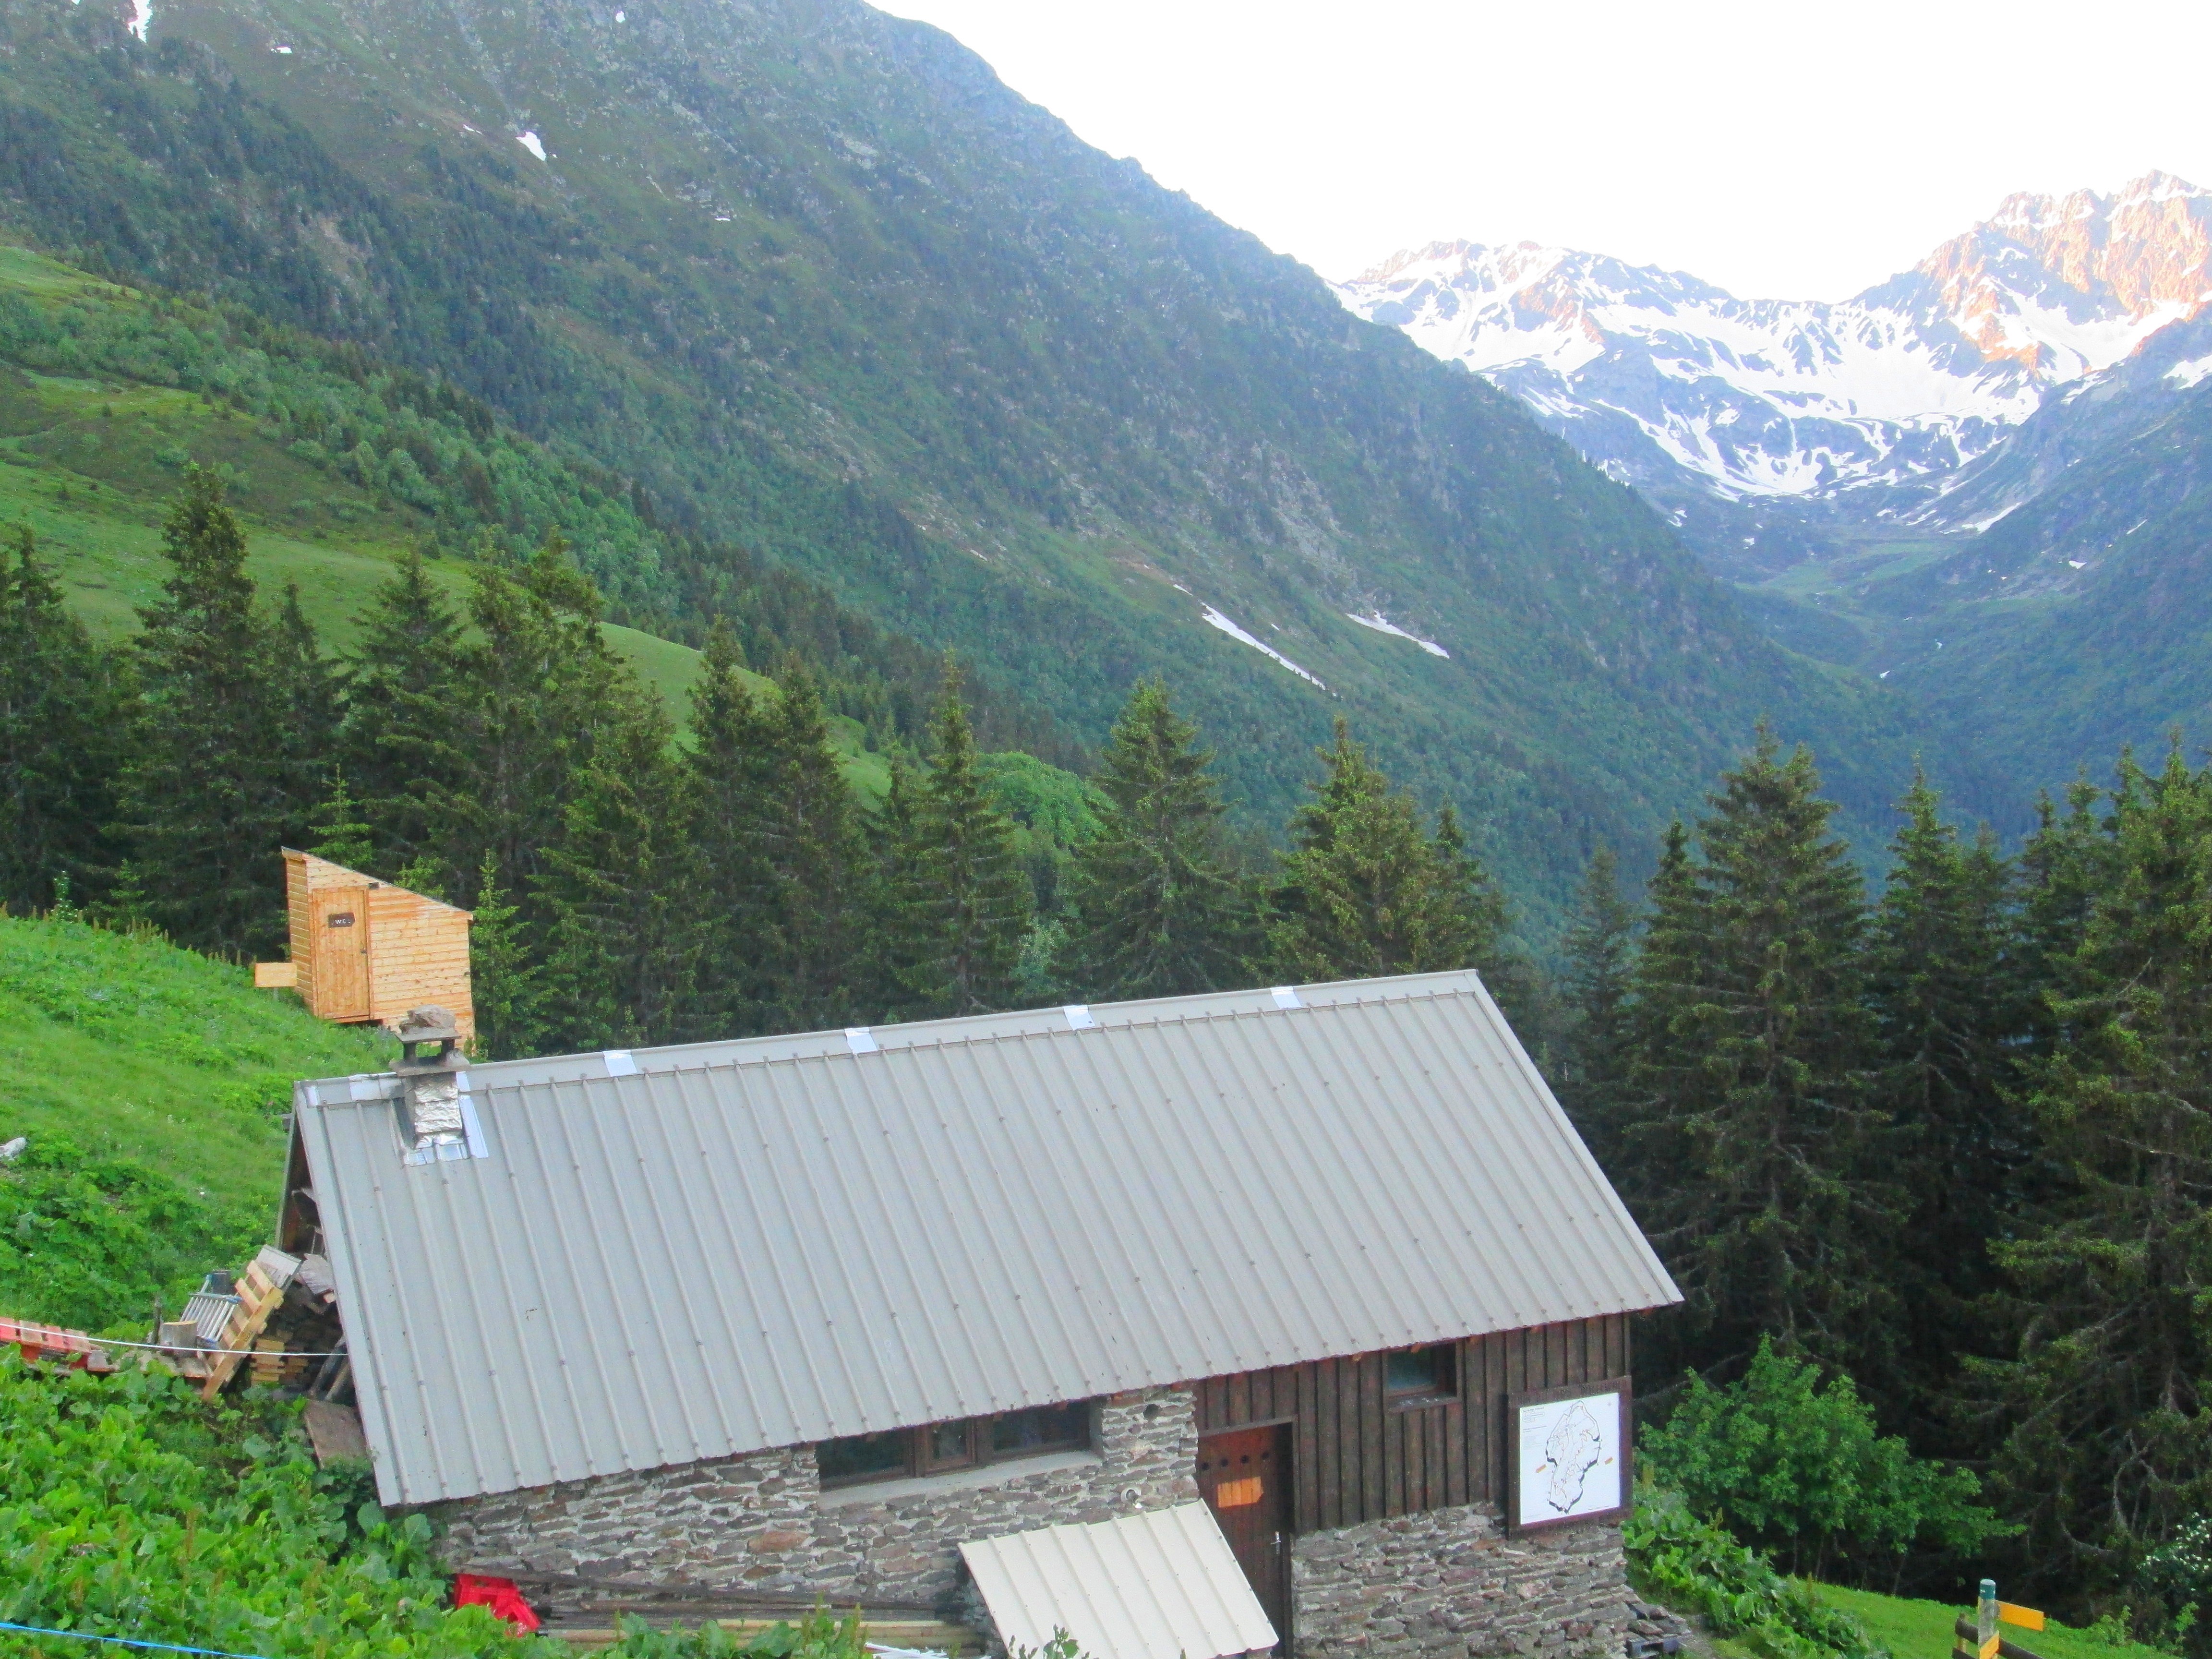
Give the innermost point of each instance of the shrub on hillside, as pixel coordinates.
(129, 1509)
(1693, 1565)
(1789, 1465)
(91, 1242)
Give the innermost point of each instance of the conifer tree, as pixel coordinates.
(1754, 1148)
(504, 974)
(1364, 892)
(782, 852)
(621, 887)
(536, 691)
(1600, 952)
(336, 829)
(399, 735)
(964, 897)
(1943, 981)
(215, 787)
(1157, 910)
(61, 719)
(2110, 1398)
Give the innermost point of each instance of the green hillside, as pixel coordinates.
(152, 1084)
(1923, 1630)
(835, 297)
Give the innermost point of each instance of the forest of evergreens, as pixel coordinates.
(1942, 1143)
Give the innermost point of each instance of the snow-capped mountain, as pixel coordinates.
(1667, 381)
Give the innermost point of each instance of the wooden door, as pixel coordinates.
(1244, 1476)
(341, 947)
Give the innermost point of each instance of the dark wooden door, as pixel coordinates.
(1244, 1475)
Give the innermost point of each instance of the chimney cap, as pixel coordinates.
(431, 1024)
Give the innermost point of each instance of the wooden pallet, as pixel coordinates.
(259, 1296)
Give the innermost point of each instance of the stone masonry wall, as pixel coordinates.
(1450, 1581)
(761, 1523)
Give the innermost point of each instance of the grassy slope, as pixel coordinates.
(89, 464)
(1921, 1630)
(133, 1048)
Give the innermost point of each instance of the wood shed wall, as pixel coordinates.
(1355, 1457)
(418, 946)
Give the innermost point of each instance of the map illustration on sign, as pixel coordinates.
(1569, 1457)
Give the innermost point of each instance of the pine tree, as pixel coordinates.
(964, 896)
(398, 739)
(504, 974)
(1600, 952)
(1364, 892)
(215, 787)
(1943, 983)
(1753, 1141)
(620, 888)
(336, 831)
(1157, 910)
(62, 707)
(2109, 1399)
(782, 853)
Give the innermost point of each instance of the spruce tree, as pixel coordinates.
(1156, 907)
(1600, 952)
(783, 857)
(2109, 1401)
(336, 830)
(215, 786)
(398, 739)
(964, 896)
(1755, 1137)
(1943, 981)
(61, 705)
(621, 887)
(504, 974)
(1364, 891)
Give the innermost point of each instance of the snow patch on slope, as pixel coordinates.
(1383, 624)
(142, 17)
(2190, 373)
(529, 142)
(1215, 619)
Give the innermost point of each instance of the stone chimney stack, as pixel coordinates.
(430, 1059)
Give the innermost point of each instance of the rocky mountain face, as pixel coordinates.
(1760, 427)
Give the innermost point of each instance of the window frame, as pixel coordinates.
(1436, 1391)
(921, 1462)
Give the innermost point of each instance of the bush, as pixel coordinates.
(1797, 1469)
(129, 1509)
(1693, 1567)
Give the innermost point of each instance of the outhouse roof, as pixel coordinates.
(656, 1257)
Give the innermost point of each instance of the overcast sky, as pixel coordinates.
(1781, 150)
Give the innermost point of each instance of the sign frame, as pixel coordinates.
(1617, 1390)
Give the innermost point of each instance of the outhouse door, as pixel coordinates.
(1244, 1476)
(341, 970)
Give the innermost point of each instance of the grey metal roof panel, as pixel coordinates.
(739, 1245)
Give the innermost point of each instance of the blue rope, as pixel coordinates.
(124, 1641)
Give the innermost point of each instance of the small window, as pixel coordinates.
(864, 1457)
(1411, 1374)
(1042, 1428)
(960, 1444)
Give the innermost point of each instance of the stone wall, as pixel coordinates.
(1450, 1581)
(762, 1523)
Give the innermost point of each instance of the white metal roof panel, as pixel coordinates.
(1139, 1587)
(710, 1250)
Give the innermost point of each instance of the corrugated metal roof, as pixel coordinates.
(1139, 1586)
(694, 1252)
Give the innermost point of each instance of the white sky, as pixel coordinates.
(1781, 149)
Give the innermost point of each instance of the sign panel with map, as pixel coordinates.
(1567, 1454)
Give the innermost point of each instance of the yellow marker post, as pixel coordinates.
(2026, 1618)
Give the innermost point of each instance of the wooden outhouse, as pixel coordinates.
(363, 950)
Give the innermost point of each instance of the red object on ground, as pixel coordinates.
(39, 1341)
(502, 1595)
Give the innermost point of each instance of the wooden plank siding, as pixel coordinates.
(1355, 1457)
(418, 946)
